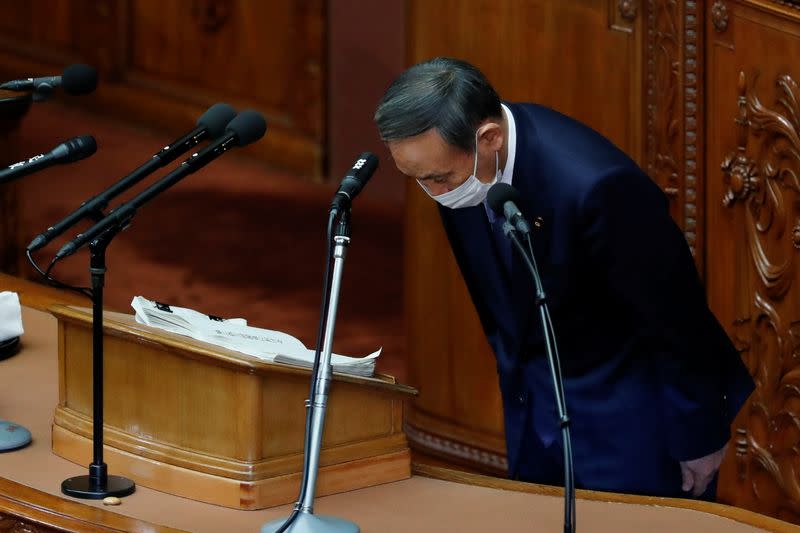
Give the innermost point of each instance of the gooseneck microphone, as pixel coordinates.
(69, 151)
(246, 128)
(355, 179)
(505, 200)
(76, 79)
(210, 125)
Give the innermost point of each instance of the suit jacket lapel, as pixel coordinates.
(525, 180)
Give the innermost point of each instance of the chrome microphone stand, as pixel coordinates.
(303, 520)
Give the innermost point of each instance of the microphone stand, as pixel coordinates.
(555, 372)
(98, 484)
(303, 519)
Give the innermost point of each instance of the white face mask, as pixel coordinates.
(470, 193)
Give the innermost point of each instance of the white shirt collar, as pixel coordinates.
(508, 169)
(511, 149)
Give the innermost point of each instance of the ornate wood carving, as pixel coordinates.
(673, 114)
(691, 96)
(662, 84)
(437, 445)
(628, 9)
(762, 179)
(719, 16)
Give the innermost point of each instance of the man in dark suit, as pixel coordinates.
(652, 381)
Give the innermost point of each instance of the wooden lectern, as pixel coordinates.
(196, 420)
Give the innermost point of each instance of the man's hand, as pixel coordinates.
(698, 473)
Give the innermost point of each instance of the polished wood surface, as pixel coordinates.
(193, 419)
(163, 63)
(432, 500)
(735, 513)
(458, 414)
(28, 510)
(753, 194)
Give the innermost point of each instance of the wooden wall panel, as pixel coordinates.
(163, 63)
(581, 57)
(753, 212)
(673, 100)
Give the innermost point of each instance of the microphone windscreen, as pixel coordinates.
(499, 194)
(79, 79)
(249, 126)
(365, 167)
(216, 119)
(75, 149)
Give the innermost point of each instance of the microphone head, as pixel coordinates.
(499, 194)
(79, 148)
(249, 126)
(364, 167)
(216, 119)
(79, 79)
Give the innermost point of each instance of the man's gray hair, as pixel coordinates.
(444, 93)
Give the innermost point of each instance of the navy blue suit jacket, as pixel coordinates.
(651, 378)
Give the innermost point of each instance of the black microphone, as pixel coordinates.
(355, 179)
(69, 151)
(210, 125)
(246, 128)
(504, 199)
(76, 79)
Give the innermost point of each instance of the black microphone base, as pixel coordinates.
(9, 347)
(90, 488)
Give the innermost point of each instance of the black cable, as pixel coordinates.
(548, 333)
(323, 317)
(86, 291)
(569, 467)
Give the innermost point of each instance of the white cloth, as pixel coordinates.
(10, 316)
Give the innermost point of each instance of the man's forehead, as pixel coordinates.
(422, 154)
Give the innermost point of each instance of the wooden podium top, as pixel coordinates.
(432, 500)
(124, 325)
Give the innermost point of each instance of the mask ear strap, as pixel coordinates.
(475, 165)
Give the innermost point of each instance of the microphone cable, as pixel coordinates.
(85, 291)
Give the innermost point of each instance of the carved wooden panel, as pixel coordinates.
(753, 208)
(522, 48)
(674, 111)
(163, 63)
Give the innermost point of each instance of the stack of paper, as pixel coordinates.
(235, 334)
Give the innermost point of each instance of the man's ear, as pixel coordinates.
(490, 135)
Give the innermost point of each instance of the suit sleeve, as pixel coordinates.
(633, 243)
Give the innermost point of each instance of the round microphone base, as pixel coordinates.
(9, 347)
(310, 523)
(12, 436)
(87, 488)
